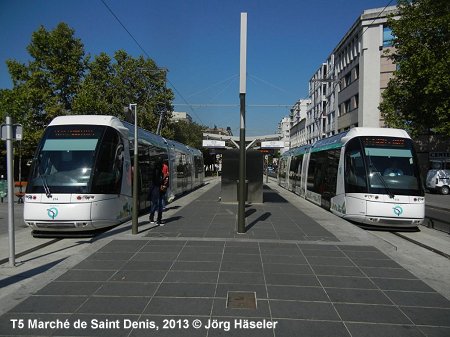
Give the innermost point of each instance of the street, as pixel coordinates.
(437, 212)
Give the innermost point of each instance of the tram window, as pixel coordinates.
(355, 172)
(198, 164)
(293, 168)
(145, 166)
(331, 167)
(282, 171)
(322, 172)
(393, 169)
(108, 174)
(299, 167)
(181, 164)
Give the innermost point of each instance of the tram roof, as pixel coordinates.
(87, 120)
(299, 150)
(332, 142)
(90, 120)
(340, 139)
(382, 132)
(127, 129)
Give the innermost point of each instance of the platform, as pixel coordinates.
(297, 271)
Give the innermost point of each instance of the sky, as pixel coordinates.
(198, 41)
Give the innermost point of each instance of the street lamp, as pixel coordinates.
(134, 225)
(242, 149)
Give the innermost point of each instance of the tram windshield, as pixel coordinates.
(67, 156)
(384, 165)
(392, 166)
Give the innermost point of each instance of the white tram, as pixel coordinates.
(366, 175)
(81, 177)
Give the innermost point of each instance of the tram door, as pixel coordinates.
(322, 175)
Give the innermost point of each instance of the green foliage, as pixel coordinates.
(111, 85)
(188, 133)
(60, 79)
(45, 87)
(418, 97)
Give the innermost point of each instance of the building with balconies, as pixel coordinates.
(284, 127)
(297, 132)
(345, 91)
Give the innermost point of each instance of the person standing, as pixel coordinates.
(160, 183)
(165, 173)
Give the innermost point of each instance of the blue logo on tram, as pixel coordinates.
(398, 210)
(52, 213)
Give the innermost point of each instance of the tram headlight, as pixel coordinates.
(371, 196)
(85, 197)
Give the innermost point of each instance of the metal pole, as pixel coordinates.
(134, 224)
(10, 173)
(161, 115)
(242, 150)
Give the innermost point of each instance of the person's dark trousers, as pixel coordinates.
(157, 206)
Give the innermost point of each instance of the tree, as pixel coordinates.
(60, 79)
(45, 87)
(190, 134)
(110, 85)
(418, 96)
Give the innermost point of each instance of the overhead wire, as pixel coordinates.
(214, 85)
(123, 26)
(253, 77)
(377, 17)
(336, 83)
(148, 56)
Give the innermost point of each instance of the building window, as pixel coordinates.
(355, 101)
(388, 38)
(356, 72)
(347, 80)
(347, 106)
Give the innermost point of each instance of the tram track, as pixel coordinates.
(423, 245)
(437, 218)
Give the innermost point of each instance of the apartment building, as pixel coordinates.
(284, 127)
(297, 132)
(345, 91)
(181, 116)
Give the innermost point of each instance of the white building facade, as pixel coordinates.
(284, 127)
(345, 91)
(181, 116)
(297, 132)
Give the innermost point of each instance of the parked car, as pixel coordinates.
(438, 181)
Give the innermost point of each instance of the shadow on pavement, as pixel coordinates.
(29, 273)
